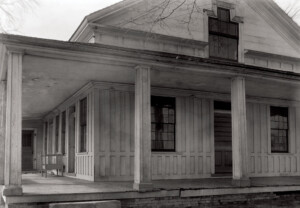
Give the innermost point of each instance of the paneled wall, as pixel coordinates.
(261, 161)
(115, 153)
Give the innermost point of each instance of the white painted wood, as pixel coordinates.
(2, 129)
(142, 159)
(13, 130)
(239, 129)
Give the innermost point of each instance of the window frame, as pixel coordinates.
(224, 35)
(63, 132)
(83, 125)
(153, 97)
(288, 138)
(56, 133)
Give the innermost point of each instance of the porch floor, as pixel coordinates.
(36, 184)
(38, 189)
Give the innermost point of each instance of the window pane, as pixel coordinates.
(213, 25)
(232, 49)
(223, 14)
(163, 125)
(213, 45)
(223, 47)
(279, 129)
(83, 124)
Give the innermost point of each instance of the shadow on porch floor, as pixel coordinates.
(35, 184)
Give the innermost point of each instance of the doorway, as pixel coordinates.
(71, 146)
(223, 137)
(27, 150)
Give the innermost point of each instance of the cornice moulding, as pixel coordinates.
(126, 32)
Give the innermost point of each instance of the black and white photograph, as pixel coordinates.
(149, 103)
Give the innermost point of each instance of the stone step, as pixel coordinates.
(89, 204)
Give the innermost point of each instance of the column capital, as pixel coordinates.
(146, 67)
(15, 50)
(238, 77)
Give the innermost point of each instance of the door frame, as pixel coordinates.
(34, 146)
(214, 138)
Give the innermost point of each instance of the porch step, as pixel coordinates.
(89, 204)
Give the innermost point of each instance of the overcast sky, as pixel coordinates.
(58, 19)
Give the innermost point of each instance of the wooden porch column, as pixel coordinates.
(2, 129)
(239, 133)
(13, 133)
(142, 157)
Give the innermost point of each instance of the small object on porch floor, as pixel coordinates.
(91, 204)
(52, 162)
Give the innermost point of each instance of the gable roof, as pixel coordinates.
(278, 20)
(115, 8)
(267, 9)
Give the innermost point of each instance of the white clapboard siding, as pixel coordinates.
(261, 161)
(194, 139)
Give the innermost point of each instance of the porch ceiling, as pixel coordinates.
(47, 82)
(54, 70)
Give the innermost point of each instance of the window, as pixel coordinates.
(82, 123)
(223, 36)
(162, 123)
(56, 132)
(279, 129)
(63, 132)
(46, 138)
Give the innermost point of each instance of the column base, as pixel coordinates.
(143, 186)
(12, 191)
(241, 182)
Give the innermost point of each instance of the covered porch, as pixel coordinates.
(54, 74)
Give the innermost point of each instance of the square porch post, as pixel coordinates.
(2, 128)
(239, 133)
(13, 129)
(142, 157)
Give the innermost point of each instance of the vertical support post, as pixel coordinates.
(239, 133)
(2, 128)
(13, 133)
(142, 157)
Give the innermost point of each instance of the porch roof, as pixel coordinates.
(29, 45)
(54, 70)
(57, 188)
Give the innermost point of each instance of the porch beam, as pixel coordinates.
(142, 159)
(239, 133)
(13, 133)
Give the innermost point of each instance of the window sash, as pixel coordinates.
(279, 129)
(56, 132)
(63, 132)
(83, 124)
(163, 123)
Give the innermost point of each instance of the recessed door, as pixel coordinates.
(223, 138)
(27, 150)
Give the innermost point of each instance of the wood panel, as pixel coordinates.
(194, 156)
(262, 161)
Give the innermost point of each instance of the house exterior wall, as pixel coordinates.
(110, 145)
(262, 161)
(84, 161)
(194, 154)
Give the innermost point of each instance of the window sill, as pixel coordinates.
(165, 153)
(82, 153)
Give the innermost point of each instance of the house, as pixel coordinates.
(187, 90)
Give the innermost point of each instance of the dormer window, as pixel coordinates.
(223, 36)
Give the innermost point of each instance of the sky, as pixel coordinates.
(58, 19)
